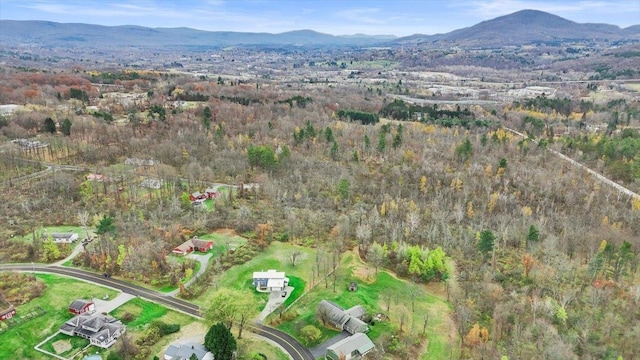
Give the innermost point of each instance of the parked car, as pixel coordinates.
(283, 294)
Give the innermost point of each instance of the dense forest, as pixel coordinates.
(538, 258)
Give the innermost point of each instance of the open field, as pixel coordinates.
(276, 256)
(377, 292)
(18, 341)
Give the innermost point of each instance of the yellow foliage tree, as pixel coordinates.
(470, 212)
(423, 184)
(493, 200)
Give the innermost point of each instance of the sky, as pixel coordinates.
(337, 17)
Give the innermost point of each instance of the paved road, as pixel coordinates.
(295, 350)
(621, 189)
(288, 343)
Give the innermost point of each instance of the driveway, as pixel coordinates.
(107, 306)
(275, 300)
(321, 350)
(204, 262)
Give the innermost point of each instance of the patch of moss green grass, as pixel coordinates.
(276, 256)
(144, 312)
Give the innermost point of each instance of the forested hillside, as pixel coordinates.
(537, 258)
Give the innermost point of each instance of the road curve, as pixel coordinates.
(286, 341)
(295, 350)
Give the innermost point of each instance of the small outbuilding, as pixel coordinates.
(81, 306)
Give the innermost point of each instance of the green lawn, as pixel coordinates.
(77, 343)
(276, 256)
(222, 242)
(144, 312)
(374, 292)
(18, 341)
(257, 346)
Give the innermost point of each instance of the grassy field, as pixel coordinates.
(143, 313)
(374, 292)
(276, 256)
(223, 240)
(18, 341)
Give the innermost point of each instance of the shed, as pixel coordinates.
(81, 306)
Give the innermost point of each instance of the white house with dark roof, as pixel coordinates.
(270, 280)
(101, 330)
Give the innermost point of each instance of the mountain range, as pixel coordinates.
(519, 28)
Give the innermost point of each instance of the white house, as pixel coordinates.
(270, 280)
(61, 238)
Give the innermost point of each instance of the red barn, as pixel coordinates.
(211, 193)
(197, 196)
(81, 306)
(192, 245)
(7, 314)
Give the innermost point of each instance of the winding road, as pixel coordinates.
(295, 350)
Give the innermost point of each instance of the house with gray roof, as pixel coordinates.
(349, 320)
(184, 352)
(101, 330)
(61, 238)
(353, 347)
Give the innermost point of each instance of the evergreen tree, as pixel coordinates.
(485, 244)
(106, 226)
(382, 141)
(328, 135)
(534, 234)
(220, 342)
(49, 125)
(66, 127)
(206, 117)
(464, 150)
(334, 151)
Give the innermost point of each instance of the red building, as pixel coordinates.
(198, 196)
(81, 306)
(193, 245)
(7, 314)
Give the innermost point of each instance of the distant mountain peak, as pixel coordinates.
(522, 27)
